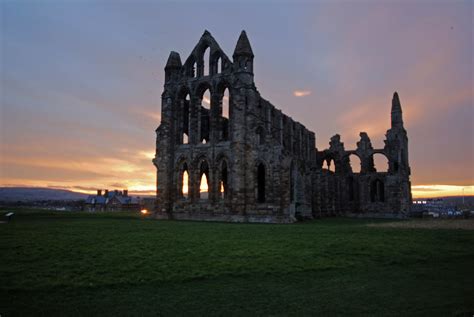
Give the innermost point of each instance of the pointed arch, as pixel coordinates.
(183, 180)
(204, 180)
(202, 54)
(206, 62)
(329, 164)
(381, 162)
(225, 103)
(222, 175)
(184, 115)
(355, 162)
(223, 99)
(204, 103)
(219, 65)
(206, 99)
(186, 119)
(216, 62)
(223, 180)
(185, 186)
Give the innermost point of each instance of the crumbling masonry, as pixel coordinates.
(259, 164)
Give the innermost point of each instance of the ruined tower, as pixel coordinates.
(225, 153)
(368, 192)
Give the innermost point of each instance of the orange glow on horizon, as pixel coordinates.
(141, 188)
(434, 191)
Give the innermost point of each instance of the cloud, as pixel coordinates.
(301, 93)
(147, 154)
(118, 185)
(74, 188)
(427, 191)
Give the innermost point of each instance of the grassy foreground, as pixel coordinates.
(119, 264)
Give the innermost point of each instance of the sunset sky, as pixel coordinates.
(81, 81)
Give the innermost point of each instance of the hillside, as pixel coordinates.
(37, 193)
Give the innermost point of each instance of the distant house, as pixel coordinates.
(111, 201)
(434, 207)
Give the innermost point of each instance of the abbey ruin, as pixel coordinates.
(233, 156)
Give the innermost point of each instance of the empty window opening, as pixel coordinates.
(204, 115)
(261, 183)
(206, 60)
(225, 116)
(223, 181)
(221, 190)
(355, 163)
(329, 165)
(203, 183)
(380, 162)
(332, 166)
(219, 65)
(186, 120)
(206, 99)
(225, 104)
(203, 188)
(185, 182)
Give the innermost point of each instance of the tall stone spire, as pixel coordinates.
(243, 47)
(174, 61)
(397, 118)
(243, 58)
(173, 67)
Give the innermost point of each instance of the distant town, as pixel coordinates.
(447, 207)
(121, 200)
(65, 200)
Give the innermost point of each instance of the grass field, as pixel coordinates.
(119, 264)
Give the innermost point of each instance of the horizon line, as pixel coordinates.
(423, 191)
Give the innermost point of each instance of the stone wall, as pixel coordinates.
(260, 164)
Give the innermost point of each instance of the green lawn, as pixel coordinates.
(119, 264)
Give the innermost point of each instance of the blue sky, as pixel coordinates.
(81, 80)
